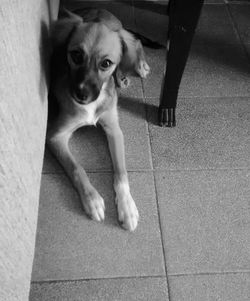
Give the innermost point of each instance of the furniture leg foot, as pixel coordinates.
(166, 117)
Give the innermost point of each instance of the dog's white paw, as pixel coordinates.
(124, 82)
(127, 212)
(143, 69)
(94, 206)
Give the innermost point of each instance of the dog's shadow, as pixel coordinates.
(139, 109)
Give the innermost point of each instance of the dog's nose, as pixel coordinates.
(82, 93)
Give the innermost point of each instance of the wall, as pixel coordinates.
(24, 53)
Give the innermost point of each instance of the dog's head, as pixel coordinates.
(96, 47)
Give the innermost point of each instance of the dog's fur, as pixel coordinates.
(92, 54)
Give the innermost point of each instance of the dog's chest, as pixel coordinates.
(91, 113)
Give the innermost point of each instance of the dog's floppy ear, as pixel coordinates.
(133, 59)
(62, 28)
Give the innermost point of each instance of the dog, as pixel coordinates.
(92, 56)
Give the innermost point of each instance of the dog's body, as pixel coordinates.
(91, 55)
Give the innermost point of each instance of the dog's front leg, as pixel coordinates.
(127, 212)
(91, 200)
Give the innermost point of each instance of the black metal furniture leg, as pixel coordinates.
(183, 19)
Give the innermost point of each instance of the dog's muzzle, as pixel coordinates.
(81, 95)
(85, 93)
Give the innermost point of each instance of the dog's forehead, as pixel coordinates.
(96, 37)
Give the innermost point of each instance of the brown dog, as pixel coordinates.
(92, 54)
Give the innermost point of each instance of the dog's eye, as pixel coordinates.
(77, 57)
(106, 64)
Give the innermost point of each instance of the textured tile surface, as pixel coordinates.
(212, 70)
(241, 18)
(210, 133)
(215, 26)
(247, 47)
(221, 70)
(151, 24)
(90, 147)
(229, 287)
(205, 220)
(137, 289)
(70, 246)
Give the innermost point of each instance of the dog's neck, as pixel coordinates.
(86, 114)
(104, 101)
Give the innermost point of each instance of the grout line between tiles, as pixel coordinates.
(99, 171)
(238, 2)
(203, 96)
(157, 170)
(200, 170)
(161, 232)
(98, 279)
(210, 273)
(147, 126)
(156, 198)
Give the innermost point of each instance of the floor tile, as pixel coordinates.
(215, 26)
(89, 144)
(210, 133)
(135, 289)
(241, 18)
(229, 287)
(150, 23)
(216, 71)
(247, 47)
(156, 60)
(70, 246)
(205, 220)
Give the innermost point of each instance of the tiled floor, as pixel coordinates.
(191, 184)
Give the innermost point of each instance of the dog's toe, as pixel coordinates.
(125, 82)
(97, 214)
(95, 208)
(143, 69)
(127, 213)
(130, 223)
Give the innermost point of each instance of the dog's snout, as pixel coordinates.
(82, 93)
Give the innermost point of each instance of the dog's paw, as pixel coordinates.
(94, 206)
(143, 69)
(127, 212)
(124, 82)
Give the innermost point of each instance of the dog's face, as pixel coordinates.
(95, 50)
(93, 53)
